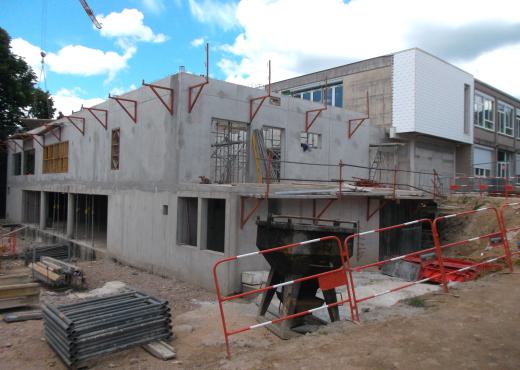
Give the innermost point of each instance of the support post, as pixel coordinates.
(133, 116)
(199, 87)
(43, 209)
(70, 214)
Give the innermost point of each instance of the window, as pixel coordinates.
(229, 152)
(505, 119)
(273, 144)
(215, 224)
(466, 108)
(504, 160)
(482, 161)
(114, 154)
(56, 158)
(334, 95)
(309, 140)
(28, 162)
(482, 172)
(517, 125)
(17, 164)
(484, 112)
(187, 219)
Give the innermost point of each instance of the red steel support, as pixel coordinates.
(353, 128)
(253, 112)
(51, 131)
(308, 124)
(505, 232)
(340, 276)
(199, 87)
(42, 144)
(16, 144)
(154, 88)
(119, 101)
(243, 217)
(82, 129)
(379, 207)
(104, 122)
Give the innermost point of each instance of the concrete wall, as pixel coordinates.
(378, 84)
(162, 157)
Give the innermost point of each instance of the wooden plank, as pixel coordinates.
(19, 290)
(39, 267)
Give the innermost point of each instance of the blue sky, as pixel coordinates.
(151, 38)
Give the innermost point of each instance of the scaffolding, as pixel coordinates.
(229, 151)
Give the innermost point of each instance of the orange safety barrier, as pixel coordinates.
(507, 229)
(351, 238)
(326, 280)
(440, 247)
(8, 241)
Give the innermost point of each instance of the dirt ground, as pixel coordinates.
(475, 327)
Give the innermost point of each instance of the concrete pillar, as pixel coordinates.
(70, 214)
(43, 209)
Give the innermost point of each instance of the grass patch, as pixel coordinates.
(416, 302)
(517, 262)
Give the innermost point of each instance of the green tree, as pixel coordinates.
(19, 96)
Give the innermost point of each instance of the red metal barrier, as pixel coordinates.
(8, 241)
(478, 184)
(327, 280)
(508, 230)
(360, 268)
(439, 248)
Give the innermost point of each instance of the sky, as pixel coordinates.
(150, 39)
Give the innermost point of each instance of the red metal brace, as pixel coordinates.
(119, 100)
(380, 207)
(192, 101)
(92, 110)
(50, 129)
(317, 111)
(82, 129)
(253, 112)
(42, 144)
(16, 145)
(169, 106)
(352, 129)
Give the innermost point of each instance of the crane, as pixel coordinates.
(90, 13)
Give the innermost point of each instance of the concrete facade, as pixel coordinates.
(422, 102)
(491, 144)
(162, 158)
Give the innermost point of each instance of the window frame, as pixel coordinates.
(115, 149)
(505, 124)
(488, 123)
(55, 158)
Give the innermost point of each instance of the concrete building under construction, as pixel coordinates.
(176, 174)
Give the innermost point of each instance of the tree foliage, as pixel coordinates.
(19, 95)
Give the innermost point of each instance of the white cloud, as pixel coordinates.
(27, 51)
(332, 32)
(197, 42)
(68, 100)
(153, 6)
(220, 14)
(128, 27)
(75, 59)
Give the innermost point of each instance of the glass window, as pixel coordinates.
(17, 164)
(316, 95)
(309, 140)
(517, 127)
(505, 119)
(338, 96)
(330, 91)
(306, 96)
(297, 96)
(484, 112)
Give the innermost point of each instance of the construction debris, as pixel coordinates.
(81, 331)
(35, 252)
(18, 291)
(23, 316)
(56, 273)
(160, 350)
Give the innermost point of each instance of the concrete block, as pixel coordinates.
(254, 277)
